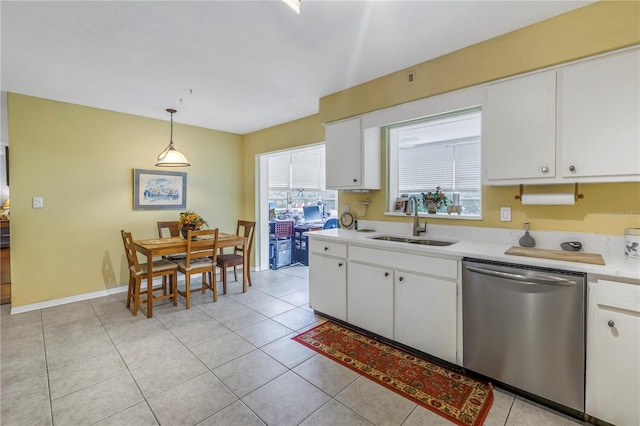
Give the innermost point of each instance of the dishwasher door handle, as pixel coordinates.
(537, 279)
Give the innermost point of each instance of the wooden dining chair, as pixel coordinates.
(138, 272)
(168, 228)
(245, 228)
(200, 259)
(172, 229)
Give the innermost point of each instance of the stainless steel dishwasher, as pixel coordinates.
(525, 327)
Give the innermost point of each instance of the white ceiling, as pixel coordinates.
(237, 66)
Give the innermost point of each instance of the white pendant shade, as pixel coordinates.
(171, 157)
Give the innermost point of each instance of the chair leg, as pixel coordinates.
(136, 295)
(130, 291)
(174, 287)
(235, 273)
(164, 285)
(204, 282)
(187, 283)
(214, 287)
(223, 272)
(248, 272)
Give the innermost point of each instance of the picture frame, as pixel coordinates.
(159, 190)
(401, 204)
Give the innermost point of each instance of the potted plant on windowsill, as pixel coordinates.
(191, 221)
(432, 201)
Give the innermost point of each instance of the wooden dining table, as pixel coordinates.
(154, 247)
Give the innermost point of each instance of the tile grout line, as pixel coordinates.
(128, 370)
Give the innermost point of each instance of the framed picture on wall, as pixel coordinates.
(159, 190)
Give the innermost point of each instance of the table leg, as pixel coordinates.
(149, 285)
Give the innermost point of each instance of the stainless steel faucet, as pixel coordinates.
(417, 229)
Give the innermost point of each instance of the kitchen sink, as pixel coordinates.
(396, 239)
(432, 242)
(419, 241)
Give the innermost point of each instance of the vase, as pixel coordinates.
(184, 230)
(432, 207)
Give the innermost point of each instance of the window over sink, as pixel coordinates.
(441, 153)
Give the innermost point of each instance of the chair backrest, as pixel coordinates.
(197, 242)
(173, 227)
(331, 223)
(130, 251)
(245, 228)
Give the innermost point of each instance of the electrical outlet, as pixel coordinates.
(38, 203)
(505, 214)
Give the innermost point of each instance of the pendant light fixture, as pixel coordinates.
(171, 157)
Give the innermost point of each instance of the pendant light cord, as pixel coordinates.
(171, 138)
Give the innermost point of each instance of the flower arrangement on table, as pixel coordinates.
(437, 197)
(191, 220)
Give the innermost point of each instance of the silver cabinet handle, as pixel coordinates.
(545, 169)
(611, 323)
(572, 168)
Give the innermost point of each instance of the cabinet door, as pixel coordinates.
(613, 369)
(425, 314)
(328, 285)
(599, 108)
(343, 153)
(370, 298)
(520, 132)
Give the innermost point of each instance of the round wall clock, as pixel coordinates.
(347, 221)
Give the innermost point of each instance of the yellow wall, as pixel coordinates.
(80, 160)
(597, 28)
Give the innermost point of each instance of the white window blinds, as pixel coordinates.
(279, 171)
(307, 170)
(301, 169)
(451, 166)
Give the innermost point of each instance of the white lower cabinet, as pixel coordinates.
(409, 307)
(370, 298)
(425, 314)
(328, 278)
(613, 352)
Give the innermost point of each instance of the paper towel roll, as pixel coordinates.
(549, 199)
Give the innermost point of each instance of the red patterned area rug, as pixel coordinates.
(454, 396)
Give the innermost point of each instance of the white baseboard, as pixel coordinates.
(65, 300)
(85, 296)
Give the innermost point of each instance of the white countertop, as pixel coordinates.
(616, 264)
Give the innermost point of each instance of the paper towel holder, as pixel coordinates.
(577, 195)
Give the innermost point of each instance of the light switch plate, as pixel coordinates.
(505, 214)
(38, 203)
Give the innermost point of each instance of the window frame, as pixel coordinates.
(393, 168)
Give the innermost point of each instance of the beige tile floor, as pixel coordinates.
(227, 363)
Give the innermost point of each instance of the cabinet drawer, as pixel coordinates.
(328, 248)
(618, 295)
(447, 268)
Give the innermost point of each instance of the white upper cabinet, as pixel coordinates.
(599, 116)
(352, 156)
(520, 132)
(575, 123)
